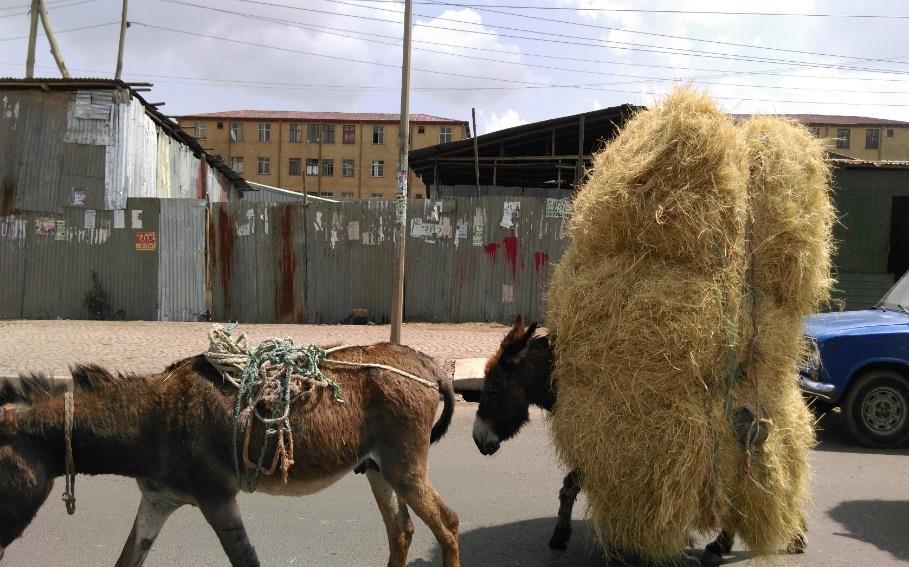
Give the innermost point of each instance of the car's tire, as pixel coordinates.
(877, 409)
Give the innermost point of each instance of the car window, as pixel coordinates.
(898, 296)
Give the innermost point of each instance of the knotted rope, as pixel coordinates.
(271, 377)
(69, 494)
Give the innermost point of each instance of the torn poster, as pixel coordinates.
(507, 293)
(78, 197)
(446, 228)
(119, 218)
(90, 215)
(509, 210)
(416, 227)
(558, 208)
(60, 230)
(431, 230)
(45, 226)
(462, 229)
(478, 234)
(137, 218)
(353, 230)
(146, 241)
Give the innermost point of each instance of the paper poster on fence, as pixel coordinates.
(60, 230)
(478, 234)
(416, 227)
(509, 210)
(137, 218)
(119, 218)
(146, 241)
(558, 208)
(78, 197)
(45, 226)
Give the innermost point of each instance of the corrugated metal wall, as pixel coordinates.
(468, 259)
(48, 261)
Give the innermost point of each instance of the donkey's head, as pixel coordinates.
(513, 376)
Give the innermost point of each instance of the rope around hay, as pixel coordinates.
(274, 375)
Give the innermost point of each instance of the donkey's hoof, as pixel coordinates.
(558, 544)
(711, 558)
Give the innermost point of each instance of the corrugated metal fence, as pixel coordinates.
(468, 259)
(149, 259)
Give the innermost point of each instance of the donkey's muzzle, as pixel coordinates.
(487, 447)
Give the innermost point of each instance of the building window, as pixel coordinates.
(872, 139)
(312, 133)
(200, 129)
(842, 138)
(236, 131)
(350, 134)
(264, 167)
(220, 125)
(347, 168)
(378, 134)
(294, 166)
(326, 194)
(328, 133)
(347, 195)
(236, 164)
(421, 130)
(889, 132)
(296, 133)
(312, 167)
(328, 167)
(264, 132)
(377, 169)
(376, 196)
(815, 131)
(444, 134)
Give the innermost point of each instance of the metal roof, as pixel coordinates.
(835, 120)
(539, 154)
(170, 127)
(321, 116)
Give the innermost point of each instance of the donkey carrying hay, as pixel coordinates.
(696, 246)
(173, 432)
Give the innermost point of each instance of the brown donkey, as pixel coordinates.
(173, 433)
(520, 374)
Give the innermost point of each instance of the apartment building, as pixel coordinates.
(342, 155)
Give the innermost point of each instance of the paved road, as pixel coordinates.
(506, 504)
(151, 345)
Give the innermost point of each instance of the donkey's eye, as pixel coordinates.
(493, 394)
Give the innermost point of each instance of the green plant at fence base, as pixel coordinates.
(96, 300)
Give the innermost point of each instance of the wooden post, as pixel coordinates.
(32, 39)
(55, 49)
(123, 25)
(579, 167)
(476, 151)
(397, 300)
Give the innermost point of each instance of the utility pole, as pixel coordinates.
(32, 38)
(476, 152)
(397, 299)
(52, 39)
(123, 25)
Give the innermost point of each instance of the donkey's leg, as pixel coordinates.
(224, 517)
(798, 545)
(155, 507)
(426, 503)
(722, 545)
(571, 486)
(395, 515)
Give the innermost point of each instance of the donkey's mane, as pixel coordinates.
(33, 387)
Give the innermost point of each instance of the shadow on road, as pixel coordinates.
(882, 523)
(525, 543)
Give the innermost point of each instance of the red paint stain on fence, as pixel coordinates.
(540, 259)
(491, 249)
(284, 295)
(225, 255)
(511, 254)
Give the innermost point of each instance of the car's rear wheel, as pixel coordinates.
(877, 409)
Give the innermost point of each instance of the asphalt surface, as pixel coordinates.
(506, 503)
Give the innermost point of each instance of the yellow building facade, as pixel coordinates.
(340, 155)
(872, 139)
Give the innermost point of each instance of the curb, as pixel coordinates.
(467, 374)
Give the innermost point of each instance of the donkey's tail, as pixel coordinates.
(446, 388)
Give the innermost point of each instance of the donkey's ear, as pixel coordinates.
(516, 332)
(514, 350)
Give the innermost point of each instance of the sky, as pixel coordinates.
(515, 61)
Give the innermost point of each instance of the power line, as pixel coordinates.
(64, 31)
(370, 37)
(656, 11)
(629, 46)
(54, 5)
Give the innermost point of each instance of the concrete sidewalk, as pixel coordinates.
(148, 346)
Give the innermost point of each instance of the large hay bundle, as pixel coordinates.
(654, 318)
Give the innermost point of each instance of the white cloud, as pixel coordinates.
(507, 119)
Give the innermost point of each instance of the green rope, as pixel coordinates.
(295, 361)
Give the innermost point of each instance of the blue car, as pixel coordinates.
(860, 362)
